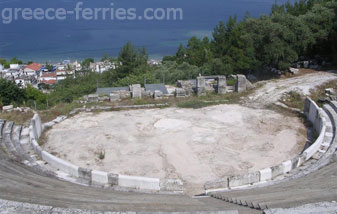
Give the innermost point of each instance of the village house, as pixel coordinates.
(32, 69)
(48, 78)
(101, 67)
(62, 74)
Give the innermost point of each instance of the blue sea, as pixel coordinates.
(57, 40)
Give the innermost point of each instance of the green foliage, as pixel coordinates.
(10, 93)
(72, 88)
(306, 28)
(132, 60)
(49, 67)
(6, 63)
(15, 61)
(173, 71)
(86, 63)
(231, 82)
(35, 94)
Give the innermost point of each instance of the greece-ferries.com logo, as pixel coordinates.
(80, 12)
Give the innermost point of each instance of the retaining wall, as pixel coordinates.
(94, 177)
(316, 116)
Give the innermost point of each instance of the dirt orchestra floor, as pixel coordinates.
(195, 145)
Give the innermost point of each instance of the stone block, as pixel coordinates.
(187, 85)
(60, 164)
(201, 86)
(241, 180)
(241, 83)
(287, 166)
(136, 91)
(84, 174)
(301, 159)
(294, 71)
(157, 94)
(294, 162)
(8, 108)
(307, 104)
(265, 174)
(313, 111)
(38, 125)
(180, 92)
(113, 179)
(99, 177)
(222, 85)
(114, 97)
(93, 98)
(139, 182)
(305, 64)
(175, 185)
(221, 183)
(277, 170)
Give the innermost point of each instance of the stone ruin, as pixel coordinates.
(184, 88)
(136, 91)
(242, 84)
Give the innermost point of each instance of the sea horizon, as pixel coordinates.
(58, 40)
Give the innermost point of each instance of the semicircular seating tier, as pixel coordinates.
(33, 180)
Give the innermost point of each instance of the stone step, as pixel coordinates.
(2, 124)
(24, 139)
(18, 146)
(7, 141)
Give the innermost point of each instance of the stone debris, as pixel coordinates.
(8, 108)
(157, 94)
(180, 92)
(187, 85)
(294, 71)
(115, 97)
(92, 98)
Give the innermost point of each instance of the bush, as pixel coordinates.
(11, 93)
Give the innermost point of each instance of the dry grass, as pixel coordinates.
(58, 110)
(319, 92)
(290, 113)
(293, 99)
(20, 118)
(43, 138)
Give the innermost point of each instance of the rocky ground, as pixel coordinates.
(273, 90)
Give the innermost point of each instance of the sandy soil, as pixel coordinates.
(193, 145)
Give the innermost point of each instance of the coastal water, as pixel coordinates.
(42, 40)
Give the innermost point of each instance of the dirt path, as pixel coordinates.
(273, 90)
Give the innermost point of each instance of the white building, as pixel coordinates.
(14, 66)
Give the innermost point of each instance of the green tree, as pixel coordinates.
(86, 63)
(14, 60)
(49, 67)
(11, 93)
(198, 52)
(130, 59)
(35, 94)
(5, 63)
